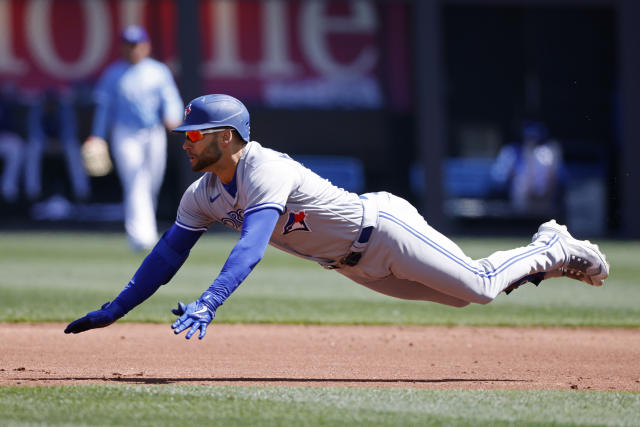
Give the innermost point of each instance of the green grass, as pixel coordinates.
(59, 276)
(308, 406)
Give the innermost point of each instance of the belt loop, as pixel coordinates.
(369, 210)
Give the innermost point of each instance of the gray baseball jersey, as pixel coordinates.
(401, 255)
(319, 221)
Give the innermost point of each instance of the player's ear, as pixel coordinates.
(227, 136)
(223, 139)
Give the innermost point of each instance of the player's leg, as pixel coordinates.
(11, 151)
(36, 141)
(422, 254)
(407, 289)
(129, 155)
(71, 144)
(432, 259)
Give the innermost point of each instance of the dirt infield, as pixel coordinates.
(367, 356)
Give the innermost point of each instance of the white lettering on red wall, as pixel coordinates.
(275, 52)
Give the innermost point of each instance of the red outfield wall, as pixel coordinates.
(273, 53)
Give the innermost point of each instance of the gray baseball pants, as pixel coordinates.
(407, 258)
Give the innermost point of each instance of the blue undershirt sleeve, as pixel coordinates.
(158, 267)
(100, 120)
(103, 100)
(257, 228)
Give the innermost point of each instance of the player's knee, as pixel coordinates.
(483, 295)
(459, 304)
(481, 299)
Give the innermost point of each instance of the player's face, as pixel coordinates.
(136, 52)
(204, 152)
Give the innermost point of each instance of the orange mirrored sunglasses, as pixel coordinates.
(197, 135)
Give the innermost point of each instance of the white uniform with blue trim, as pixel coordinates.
(402, 255)
(134, 100)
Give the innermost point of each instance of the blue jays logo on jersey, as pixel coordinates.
(296, 222)
(234, 219)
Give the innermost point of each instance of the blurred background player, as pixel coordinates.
(11, 148)
(530, 172)
(136, 97)
(51, 127)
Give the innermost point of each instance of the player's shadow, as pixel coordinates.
(214, 380)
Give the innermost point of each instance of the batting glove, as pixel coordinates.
(108, 313)
(196, 315)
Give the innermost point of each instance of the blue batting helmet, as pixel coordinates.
(214, 111)
(134, 34)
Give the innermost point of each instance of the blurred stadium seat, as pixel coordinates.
(467, 176)
(344, 171)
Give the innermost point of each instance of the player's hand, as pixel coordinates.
(196, 315)
(108, 313)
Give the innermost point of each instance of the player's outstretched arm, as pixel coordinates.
(158, 268)
(196, 315)
(108, 313)
(257, 228)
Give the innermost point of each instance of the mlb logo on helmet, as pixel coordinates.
(187, 111)
(296, 222)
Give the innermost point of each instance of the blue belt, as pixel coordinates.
(358, 247)
(353, 257)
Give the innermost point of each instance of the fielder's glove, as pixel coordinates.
(95, 157)
(108, 313)
(196, 315)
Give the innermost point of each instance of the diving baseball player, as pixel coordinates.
(376, 239)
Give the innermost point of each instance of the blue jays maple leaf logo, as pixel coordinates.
(296, 222)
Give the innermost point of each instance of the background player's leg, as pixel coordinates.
(36, 141)
(139, 215)
(11, 150)
(157, 161)
(68, 136)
